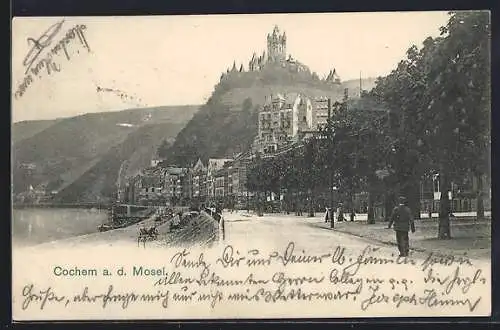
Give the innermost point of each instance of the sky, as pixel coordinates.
(116, 63)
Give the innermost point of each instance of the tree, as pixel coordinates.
(403, 92)
(247, 105)
(254, 182)
(441, 97)
(359, 149)
(458, 87)
(311, 172)
(164, 148)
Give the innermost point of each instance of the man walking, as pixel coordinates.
(353, 214)
(403, 221)
(340, 213)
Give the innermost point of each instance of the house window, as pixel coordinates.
(436, 184)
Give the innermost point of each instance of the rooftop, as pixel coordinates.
(215, 164)
(176, 170)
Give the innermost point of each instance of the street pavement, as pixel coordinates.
(275, 232)
(313, 235)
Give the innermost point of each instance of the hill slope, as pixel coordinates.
(100, 181)
(227, 123)
(26, 129)
(60, 154)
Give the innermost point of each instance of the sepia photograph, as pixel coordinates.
(264, 166)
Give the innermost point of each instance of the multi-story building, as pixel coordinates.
(214, 165)
(321, 111)
(320, 108)
(174, 184)
(237, 193)
(152, 183)
(198, 180)
(186, 182)
(146, 187)
(281, 118)
(221, 184)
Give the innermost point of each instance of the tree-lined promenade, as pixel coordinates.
(429, 117)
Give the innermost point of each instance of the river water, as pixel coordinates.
(34, 226)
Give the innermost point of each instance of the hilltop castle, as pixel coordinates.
(276, 54)
(276, 51)
(277, 57)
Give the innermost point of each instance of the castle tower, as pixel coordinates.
(252, 63)
(333, 77)
(276, 46)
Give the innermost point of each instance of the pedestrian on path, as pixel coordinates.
(403, 221)
(327, 212)
(353, 214)
(340, 213)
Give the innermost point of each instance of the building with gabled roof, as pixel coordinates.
(214, 165)
(198, 180)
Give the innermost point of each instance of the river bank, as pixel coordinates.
(200, 230)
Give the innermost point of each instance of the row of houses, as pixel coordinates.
(217, 180)
(225, 181)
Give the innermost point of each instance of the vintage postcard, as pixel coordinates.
(326, 165)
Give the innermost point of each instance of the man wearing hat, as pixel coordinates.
(403, 221)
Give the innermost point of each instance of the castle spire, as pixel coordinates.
(276, 46)
(276, 30)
